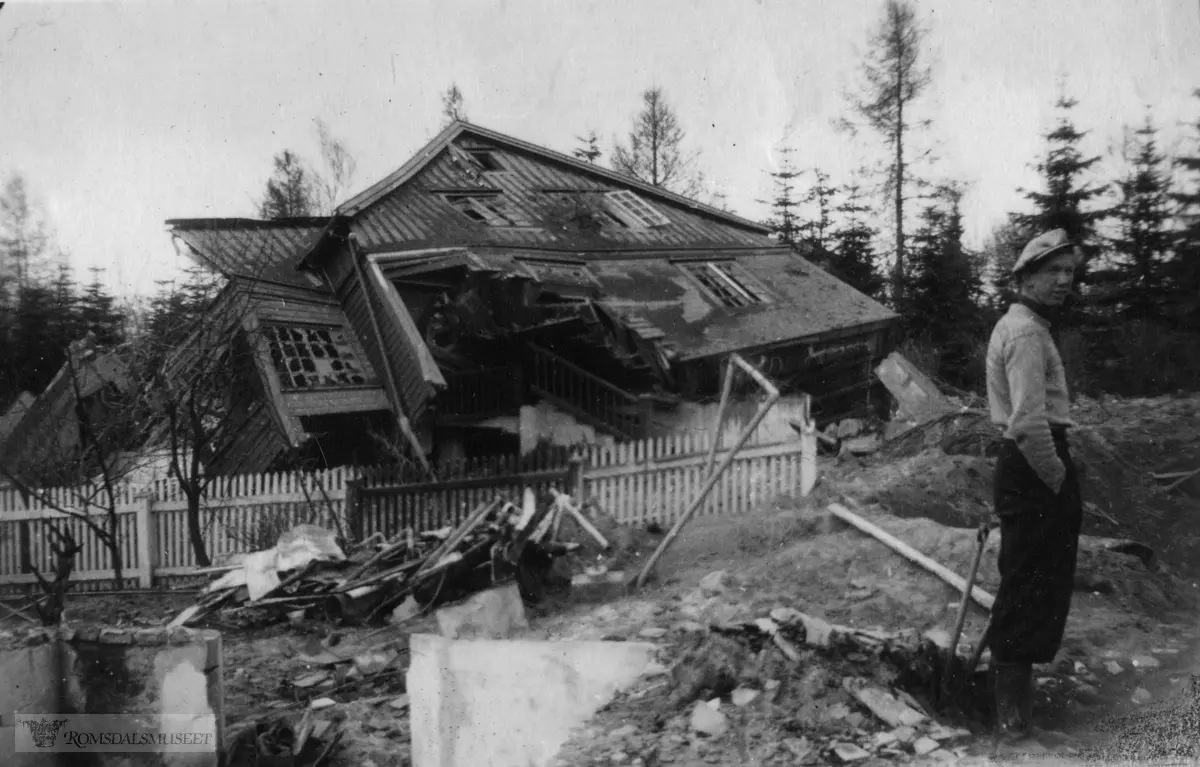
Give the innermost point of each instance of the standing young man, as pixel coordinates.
(1036, 486)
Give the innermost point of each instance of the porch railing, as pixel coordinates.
(587, 396)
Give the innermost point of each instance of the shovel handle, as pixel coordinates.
(952, 651)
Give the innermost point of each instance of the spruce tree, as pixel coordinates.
(942, 303)
(588, 149)
(853, 258)
(1000, 252)
(98, 313)
(1066, 199)
(291, 191)
(784, 220)
(819, 200)
(1141, 247)
(1182, 270)
(38, 346)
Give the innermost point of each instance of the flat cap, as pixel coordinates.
(1042, 247)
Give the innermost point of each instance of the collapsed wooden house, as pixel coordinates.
(489, 278)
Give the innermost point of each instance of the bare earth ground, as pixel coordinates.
(793, 554)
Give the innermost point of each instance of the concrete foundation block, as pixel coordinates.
(495, 613)
(118, 672)
(472, 703)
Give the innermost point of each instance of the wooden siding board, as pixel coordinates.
(327, 401)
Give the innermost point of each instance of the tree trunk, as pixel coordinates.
(898, 268)
(195, 534)
(114, 545)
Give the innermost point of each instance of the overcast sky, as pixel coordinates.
(121, 115)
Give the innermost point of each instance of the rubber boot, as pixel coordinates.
(1013, 690)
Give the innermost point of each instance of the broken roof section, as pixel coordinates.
(696, 303)
(257, 250)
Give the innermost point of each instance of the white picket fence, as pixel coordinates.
(633, 482)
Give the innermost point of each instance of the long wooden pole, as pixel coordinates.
(743, 438)
(981, 597)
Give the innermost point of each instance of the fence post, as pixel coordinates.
(353, 517)
(147, 538)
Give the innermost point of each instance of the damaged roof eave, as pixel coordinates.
(815, 338)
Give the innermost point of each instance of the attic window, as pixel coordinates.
(486, 159)
(727, 282)
(309, 357)
(634, 211)
(487, 209)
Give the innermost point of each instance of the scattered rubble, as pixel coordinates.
(307, 570)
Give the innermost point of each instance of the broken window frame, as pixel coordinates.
(486, 159)
(491, 209)
(726, 282)
(603, 215)
(635, 212)
(574, 274)
(283, 349)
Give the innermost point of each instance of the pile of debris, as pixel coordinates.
(843, 694)
(307, 572)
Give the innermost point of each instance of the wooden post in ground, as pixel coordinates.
(354, 522)
(808, 450)
(147, 542)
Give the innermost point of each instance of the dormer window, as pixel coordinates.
(635, 212)
(487, 209)
(726, 282)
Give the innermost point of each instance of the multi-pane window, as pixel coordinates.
(727, 282)
(634, 211)
(310, 357)
(487, 209)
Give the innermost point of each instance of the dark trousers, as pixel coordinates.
(1039, 539)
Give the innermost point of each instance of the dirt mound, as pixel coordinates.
(954, 490)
